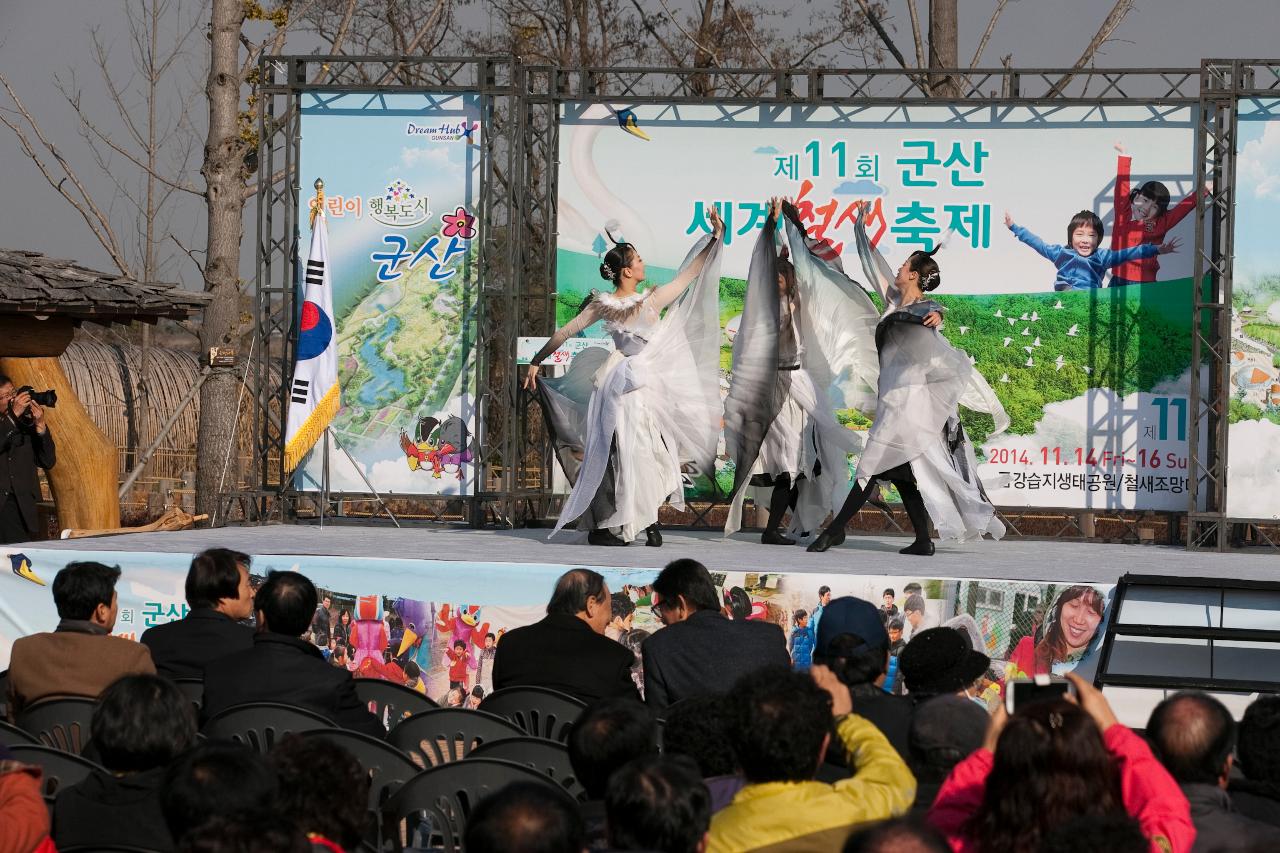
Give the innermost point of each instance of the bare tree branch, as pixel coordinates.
(986, 35)
(915, 33)
(874, 19)
(189, 253)
(690, 36)
(747, 33)
(1109, 25)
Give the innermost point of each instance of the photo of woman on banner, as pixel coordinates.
(1080, 263)
(625, 424)
(1142, 215)
(1072, 631)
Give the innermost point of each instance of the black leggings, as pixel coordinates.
(912, 501)
(783, 497)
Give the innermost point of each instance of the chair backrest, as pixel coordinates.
(442, 735)
(259, 725)
(538, 711)
(430, 811)
(192, 688)
(11, 735)
(391, 702)
(61, 769)
(546, 756)
(62, 723)
(387, 767)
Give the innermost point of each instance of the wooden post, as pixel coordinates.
(85, 477)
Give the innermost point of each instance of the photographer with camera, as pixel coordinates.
(25, 444)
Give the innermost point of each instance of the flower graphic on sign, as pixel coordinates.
(459, 224)
(399, 206)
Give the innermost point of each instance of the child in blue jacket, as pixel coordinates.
(1081, 264)
(801, 643)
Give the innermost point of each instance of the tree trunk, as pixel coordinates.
(224, 173)
(943, 46)
(85, 476)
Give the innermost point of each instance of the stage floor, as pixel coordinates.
(1011, 559)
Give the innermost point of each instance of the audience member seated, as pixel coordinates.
(141, 723)
(219, 595)
(1114, 833)
(216, 781)
(525, 817)
(782, 723)
(78, 658)
(283, 667)
(899, 835)
(938, 661)
(700, 729)
(23, 814)
(658, 803)
(700, 650)
(1053, 762)
(249, 835)
(1257, 795)
(1193, 734)
(944, 731)
(323, 791)
(608, 734)
(567, 650)
(853, 643)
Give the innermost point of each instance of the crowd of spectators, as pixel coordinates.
(739, 743)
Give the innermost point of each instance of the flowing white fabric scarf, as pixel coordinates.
(314, 398)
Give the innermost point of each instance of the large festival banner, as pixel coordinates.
(401, 184)
(1253, 437)
(1096, 381)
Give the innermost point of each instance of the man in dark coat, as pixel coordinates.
(567, 650)
(219, 595)
(1193, 735)
(700, 650)
(25, 444)
(1257, 794)
(283, 667)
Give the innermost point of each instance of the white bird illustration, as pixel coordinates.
(1074, 331)
(1004, 377)
(1031, 362)
(1029, 350)
(1024, 316)
(1036, 342)
(1008, 341)
(1011, 320)
(1057, 306)
(998, 313)
(1034, 316)
(1058, 362)
(964, 330)
(1026, 330)
(1088, 369)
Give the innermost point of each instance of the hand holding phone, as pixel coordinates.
(1041, 688)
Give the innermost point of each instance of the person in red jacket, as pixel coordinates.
(24, 818)
(1050, 763)
(1142, 215)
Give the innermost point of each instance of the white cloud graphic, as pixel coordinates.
(435, 157)
(1259, 163)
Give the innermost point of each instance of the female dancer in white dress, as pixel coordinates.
(626, 423)
(796, 339)
(917, 441)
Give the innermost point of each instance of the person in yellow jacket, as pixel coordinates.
(781, 731)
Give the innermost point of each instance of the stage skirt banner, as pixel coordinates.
(1095, 378)
(1253, 438)
(401, 184)
(434, 624)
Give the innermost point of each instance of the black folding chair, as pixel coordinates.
(388, 769)
(391, 702)
(11, 735)
(442, 735)
(545, 756)
(61, 722)
(192, 688)
(260, 725)
(61, 769)
(430, 811)
(538, 711)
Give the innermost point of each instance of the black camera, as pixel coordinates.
(48, 399)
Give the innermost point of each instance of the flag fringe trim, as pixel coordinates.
(312, 428)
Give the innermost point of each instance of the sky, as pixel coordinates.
(41, 39)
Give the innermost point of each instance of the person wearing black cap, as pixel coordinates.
(853, 643)
(944, 730)
(938, 661)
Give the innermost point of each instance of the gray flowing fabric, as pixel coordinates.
(636, 418)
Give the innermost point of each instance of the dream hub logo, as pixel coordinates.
(446, 132)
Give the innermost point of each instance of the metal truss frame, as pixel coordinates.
(1224, 84)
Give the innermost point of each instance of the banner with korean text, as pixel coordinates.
(1088, 346)
(401, 184)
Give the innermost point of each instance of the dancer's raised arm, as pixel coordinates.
(670, 292)
(585, 318)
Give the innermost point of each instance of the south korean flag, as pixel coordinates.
(313, 393)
